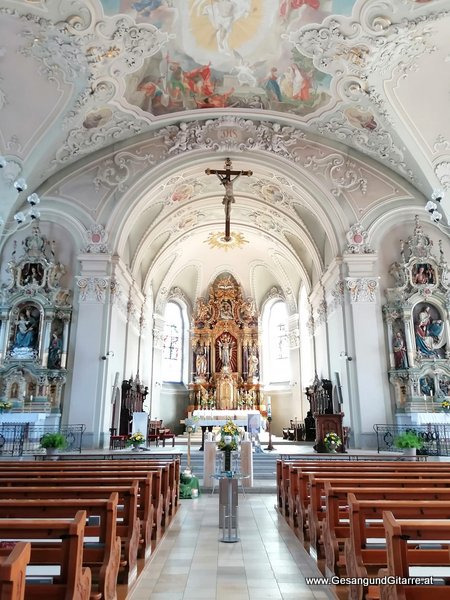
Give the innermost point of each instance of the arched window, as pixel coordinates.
(278, 363)
(172, 357)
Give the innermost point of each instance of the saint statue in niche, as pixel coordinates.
(55, 351)
(200, 361)
(253, 362)
(400, 353)
(429, 331)
(225, 347)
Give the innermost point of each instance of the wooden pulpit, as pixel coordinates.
(326, 423)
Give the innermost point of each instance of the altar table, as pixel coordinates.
(216, 418)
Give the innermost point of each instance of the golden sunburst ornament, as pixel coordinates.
(217, 240)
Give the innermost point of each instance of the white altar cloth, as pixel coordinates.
(216, 418)
(224, 415)
(425, 418)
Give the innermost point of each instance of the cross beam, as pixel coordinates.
(227, 177)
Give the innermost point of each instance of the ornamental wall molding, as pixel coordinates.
(118, 172)
(92, 290)
(337, 297)
(358, 55)
(357, 241)
(362, 289)
(274, 293)
(96, 240)
(320, 317)
(101, 59)
(377, 142)
(442, 171)
(400, 40)
(343, 173)
(232, 133)
(118, 296)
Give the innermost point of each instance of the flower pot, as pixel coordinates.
(136, 446)
(332, 447)
(409, 451)
(227, 439)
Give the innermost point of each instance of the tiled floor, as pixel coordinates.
(267, 563)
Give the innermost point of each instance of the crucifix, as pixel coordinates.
(227, 177)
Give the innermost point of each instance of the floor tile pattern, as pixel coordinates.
(267, 563)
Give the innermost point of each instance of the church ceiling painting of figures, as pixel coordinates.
(228, 53)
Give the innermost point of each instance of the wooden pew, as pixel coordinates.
(165, 483)
(400, 558)
(297, 490)
(13, 565)
(366, 521)
(145, 506)
(101, 556)
(337, 526)
(127, 526)
(64, 549)
(317, 508)
(170, 477)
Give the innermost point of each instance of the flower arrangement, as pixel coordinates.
(5, 405)
(445, 405)
(228, 434)
(136, 439)
(230, 429)
(332, 438)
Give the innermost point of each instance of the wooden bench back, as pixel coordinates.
(127, 526)
(13, 565)
(103, 556)
(64, 549)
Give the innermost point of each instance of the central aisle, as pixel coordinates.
(268, 563)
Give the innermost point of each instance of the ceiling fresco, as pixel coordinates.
(250, 62)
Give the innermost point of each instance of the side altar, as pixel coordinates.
(417, 327)
(225, 350)
(35, 316)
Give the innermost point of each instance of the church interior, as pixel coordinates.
(224, 206)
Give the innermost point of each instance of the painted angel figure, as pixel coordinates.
(245, 70)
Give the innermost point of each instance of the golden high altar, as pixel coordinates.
(225, 346)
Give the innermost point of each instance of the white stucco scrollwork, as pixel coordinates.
(231, 133)
(92, 289)
(357, 241)
(337, 297)
(362, 289)
(442, 171)
(96, 238)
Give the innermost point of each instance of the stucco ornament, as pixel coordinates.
(357, 241)
(93, 289)
(96, 238)
(362, 289)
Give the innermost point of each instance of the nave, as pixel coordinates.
(267, 563)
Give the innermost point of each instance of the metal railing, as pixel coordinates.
(435, 437)
(17, 439)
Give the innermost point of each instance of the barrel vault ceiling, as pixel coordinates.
(348, 99)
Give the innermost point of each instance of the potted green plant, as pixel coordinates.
(53, 441)
(409, 442)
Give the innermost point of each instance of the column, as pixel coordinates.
(91, 339)
(370, 397)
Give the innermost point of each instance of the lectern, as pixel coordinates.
(325, 423)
